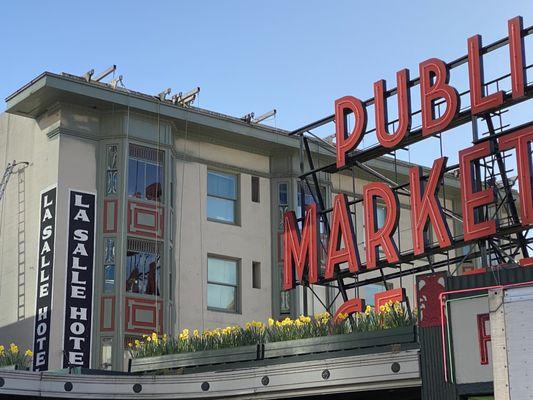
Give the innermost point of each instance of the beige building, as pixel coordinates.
(188, 224)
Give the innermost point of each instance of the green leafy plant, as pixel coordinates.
(390, 315)
(12, 356)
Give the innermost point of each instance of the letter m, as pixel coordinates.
(299, 248)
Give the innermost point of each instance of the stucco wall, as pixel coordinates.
(21, 139)
(247, 241)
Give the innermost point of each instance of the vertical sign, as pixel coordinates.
(43, 303)
(79, 282)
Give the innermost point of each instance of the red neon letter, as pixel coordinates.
(297, 251)
(478, 102)
(483, 337)
(516, 50)
(521, 140)
(472, 199)
(383, 236)
(428, 206)
(349, 307)
(404, 110)
(394, 295)
(430, 93)
(341, 232)
(346, 142)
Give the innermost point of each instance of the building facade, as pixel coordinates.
(188, 215)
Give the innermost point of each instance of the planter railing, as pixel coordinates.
(265, 351)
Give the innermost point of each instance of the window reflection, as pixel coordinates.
(143, 268)
(222, 284)
(145, 173)
(221, 196)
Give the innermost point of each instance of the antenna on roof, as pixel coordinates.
(264, 116)
(105, 73)
(162, 96)
(248, 118)
(185, 100)
(114, 82)
(87, 76)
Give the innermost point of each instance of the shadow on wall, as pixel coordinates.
(20, 333)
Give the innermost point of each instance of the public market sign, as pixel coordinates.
(301, 246)
(79, 282)
(43, 304)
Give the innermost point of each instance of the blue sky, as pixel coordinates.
(295, 56)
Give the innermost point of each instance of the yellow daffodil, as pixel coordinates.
(28, 353)
(13, 348)
(2, 350)
(271, 322)
(129, 344)
(137, 343)
(342, 316)
(195, 333)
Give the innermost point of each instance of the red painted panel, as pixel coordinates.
(133, 325)
(428, 289)
(110, 206)
(135, 210)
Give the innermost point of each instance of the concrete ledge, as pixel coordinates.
(334, 375)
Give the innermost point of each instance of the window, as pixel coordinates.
(283, 194)
(222, 284)
(143, 267)
(109, 278)
(255, 189)
(106, 353)
(109, 265)
(256, 275)
(221, 196)
(372, 289)
(145, 173)
(381, 212)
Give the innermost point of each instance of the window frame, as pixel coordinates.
(255, 183)
(236, 201)
(159, 163)
(237, 286)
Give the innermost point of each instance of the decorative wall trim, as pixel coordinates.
(110, 210)
(137, 211)
(134, 323)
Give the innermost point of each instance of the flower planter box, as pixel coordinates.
(350, 341)
(13, 368)
(195, 359)
(324, 344)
